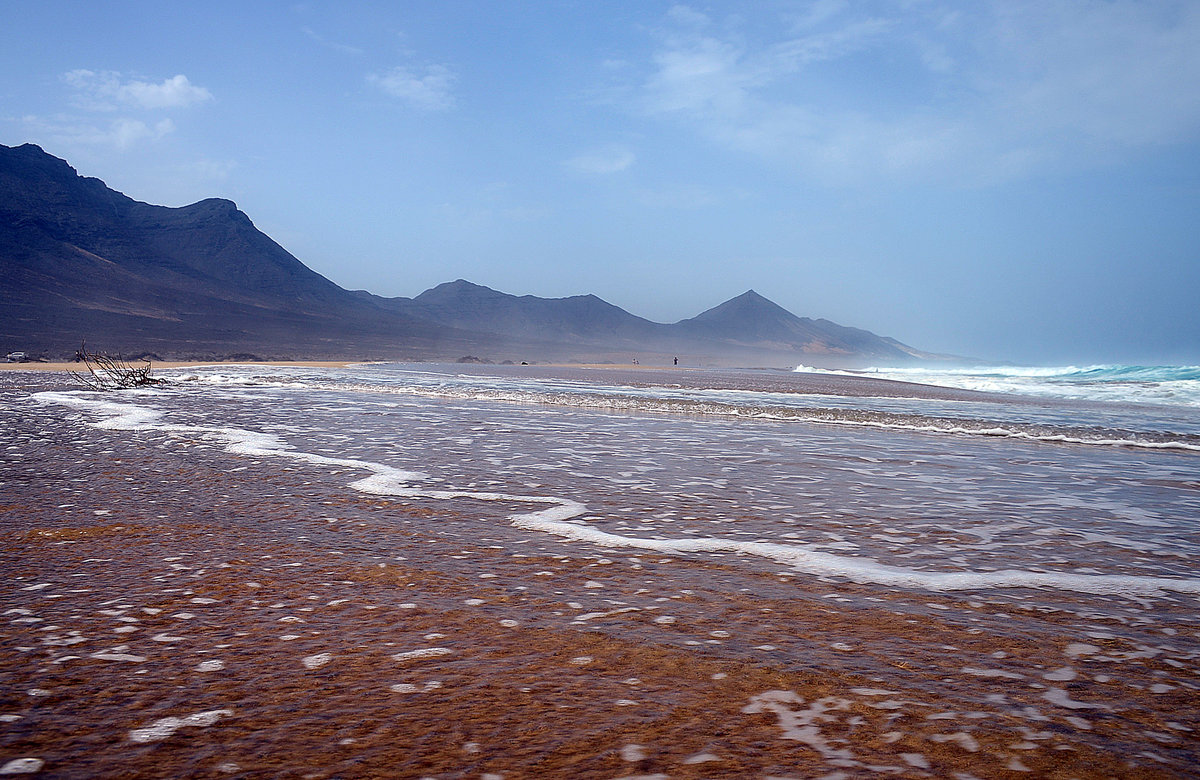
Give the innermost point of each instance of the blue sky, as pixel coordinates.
(1013, 180)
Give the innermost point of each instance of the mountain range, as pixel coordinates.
(79, 261)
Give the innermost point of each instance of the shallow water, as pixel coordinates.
(765, 395)
(898, 581)
(890, 506)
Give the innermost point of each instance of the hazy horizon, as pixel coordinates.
(1011, 181)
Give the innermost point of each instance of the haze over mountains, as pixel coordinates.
(81, 261)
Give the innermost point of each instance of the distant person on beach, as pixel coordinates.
(676, 361)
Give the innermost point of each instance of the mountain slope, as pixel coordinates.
(750, 320)
(78, 259)
(579, 318)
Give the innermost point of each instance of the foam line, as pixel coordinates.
(237, 441)
(634, 399)
(916, 423)
(558, 519)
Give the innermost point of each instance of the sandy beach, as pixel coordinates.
(174, 608)
(65, 367)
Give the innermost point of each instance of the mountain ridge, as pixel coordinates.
(577, 317)
(78, 258)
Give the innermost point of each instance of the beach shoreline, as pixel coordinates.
(81, 367)
(207, 592)
(783, 379)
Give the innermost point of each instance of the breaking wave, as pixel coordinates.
(1167, 385)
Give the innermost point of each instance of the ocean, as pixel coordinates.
(885, 572)
(1162, 385)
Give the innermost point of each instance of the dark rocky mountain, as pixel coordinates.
(579, 319)
(81, 261)
(746, 325)
(752, 321)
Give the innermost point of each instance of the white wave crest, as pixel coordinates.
(1163, 385)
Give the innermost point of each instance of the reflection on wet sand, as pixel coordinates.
(176, 610)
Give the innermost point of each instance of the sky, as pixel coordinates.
(1009, 180)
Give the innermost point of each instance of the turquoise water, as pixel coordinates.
(1165, 385)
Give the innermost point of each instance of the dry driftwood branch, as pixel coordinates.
(112, 373)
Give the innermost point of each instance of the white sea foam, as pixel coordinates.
(961, 738)
(633, 753)
(803, 725)
(112, 656)
(1169, 385)
(22, 766)
(559, 518)
(425, 652)
(884, 413)
(1063, 699)
(165, 727)
(316, 661)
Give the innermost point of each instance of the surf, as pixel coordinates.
(1114, 383)
(560, 515)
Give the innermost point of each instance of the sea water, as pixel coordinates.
(1167, 385)
(912, 491)
(452, 570)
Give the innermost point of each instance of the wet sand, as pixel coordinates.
(77, 367)
(178, 611)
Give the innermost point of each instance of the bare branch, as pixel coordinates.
(111, 373)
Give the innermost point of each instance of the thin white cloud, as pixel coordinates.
(688, 17)
(175, 92)
(208, 170)
(108, 90)
(91, 90)
(127, 132)
(1112, 74)
(120, 134)
(815, 13)
(793, 54)
(136, 106)
(983, 92)
(604, 160)
(427, 89)
(334, 45)
(702, 77)
(679, 197)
